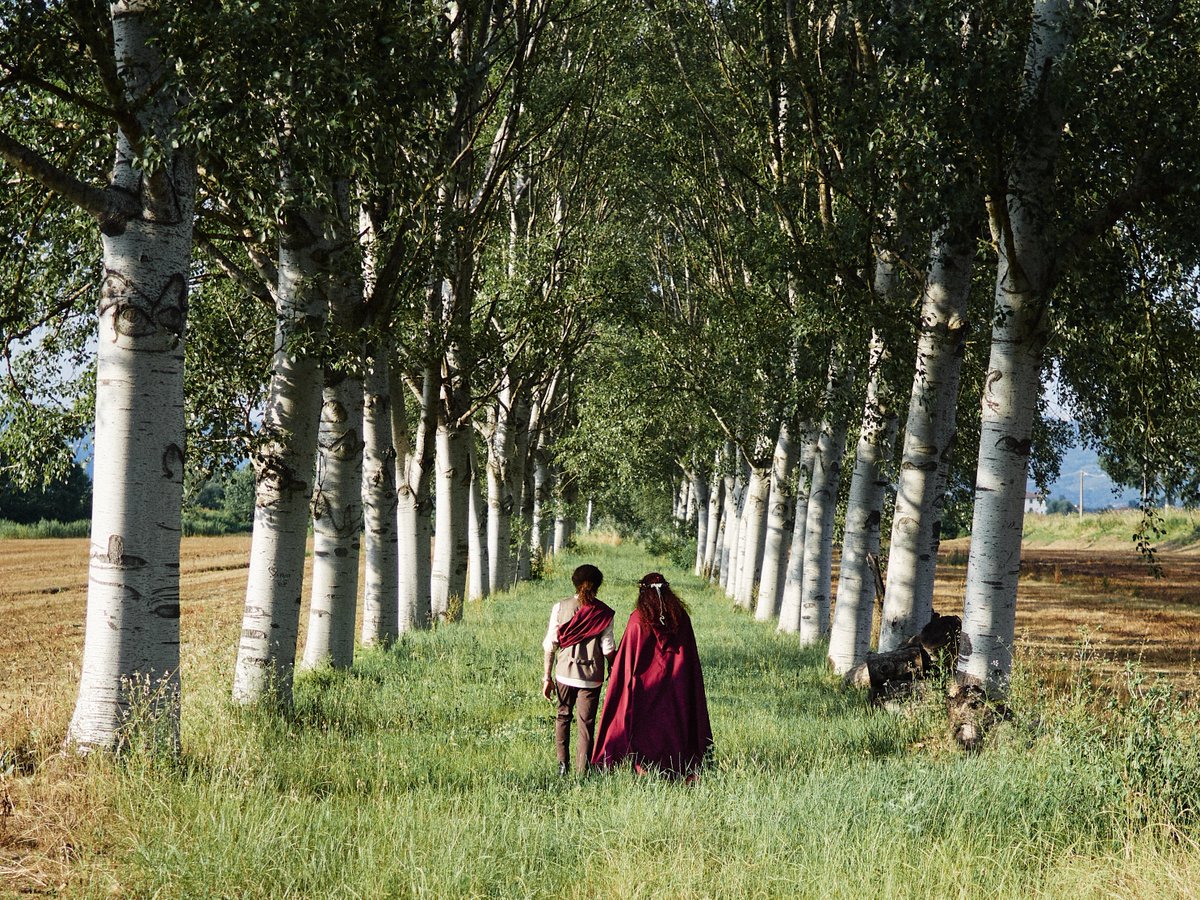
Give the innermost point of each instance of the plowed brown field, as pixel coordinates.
(1107, 597)
(43, 594)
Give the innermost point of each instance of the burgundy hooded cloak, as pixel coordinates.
(655, 712)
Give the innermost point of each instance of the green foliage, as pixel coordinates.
(222, 505)
(61, 499)
(1060, 506)
(669, 543)
(238, 495)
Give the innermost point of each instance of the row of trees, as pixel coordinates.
(455, 268)
(397, 196)
(1027, 167)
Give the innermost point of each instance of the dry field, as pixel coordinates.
(43, 594)
(1106, 596)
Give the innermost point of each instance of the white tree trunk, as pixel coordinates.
(131, 640)
(700, 492)
(716, 497)
(381, 588)
(793, 582)
(541, 532)
(283, 466)
(337, 526)
(779, 518)
(928, 437)
(415, 462)
(561, 526)
(337, 509)
(755, 516)
(452, 542)
(1023, 234)
(850, 638)
(478, 569)
(818, 531)
(588, 522)
(731, 521)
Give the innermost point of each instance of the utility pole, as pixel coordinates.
(1081, 474)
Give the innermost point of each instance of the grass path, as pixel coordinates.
(428, 770)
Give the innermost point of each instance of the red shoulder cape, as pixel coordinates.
(655, 711)
(588, 622)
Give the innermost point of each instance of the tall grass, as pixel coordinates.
(1112, 528)
(195, 521)
(45, 528)
(428, 770)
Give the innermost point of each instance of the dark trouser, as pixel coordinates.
(584, 702)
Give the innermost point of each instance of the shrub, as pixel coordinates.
(45, 528)
(678, 548)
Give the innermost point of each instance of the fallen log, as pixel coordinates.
(891, 675)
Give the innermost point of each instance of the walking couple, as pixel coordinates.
(655, 714)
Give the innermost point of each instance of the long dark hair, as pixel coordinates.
(659, 606)
(587, 580)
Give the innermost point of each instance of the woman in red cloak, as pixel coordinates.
(655, 713)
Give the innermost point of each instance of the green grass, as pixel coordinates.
(211, 522)
(195, 521)
(428, 770)
(45, 528)
(1112, 528)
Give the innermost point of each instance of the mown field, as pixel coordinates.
(428, 769)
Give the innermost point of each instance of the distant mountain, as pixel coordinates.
(1099, 491)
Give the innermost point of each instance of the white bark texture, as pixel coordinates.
(818, 531)
(283, 464)
(779, 518)
(700, 492)
(337, 525)
(850, 638)
(541, 534)
(131, 639)
(415, 462)
(1023, 234)
(793, 582)
(755, 515)
(337, 511)
(561, 527)
(732, 523)
(452, 542)
(381, 588)
(478, 573)
(928, 437)
(716, 497)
